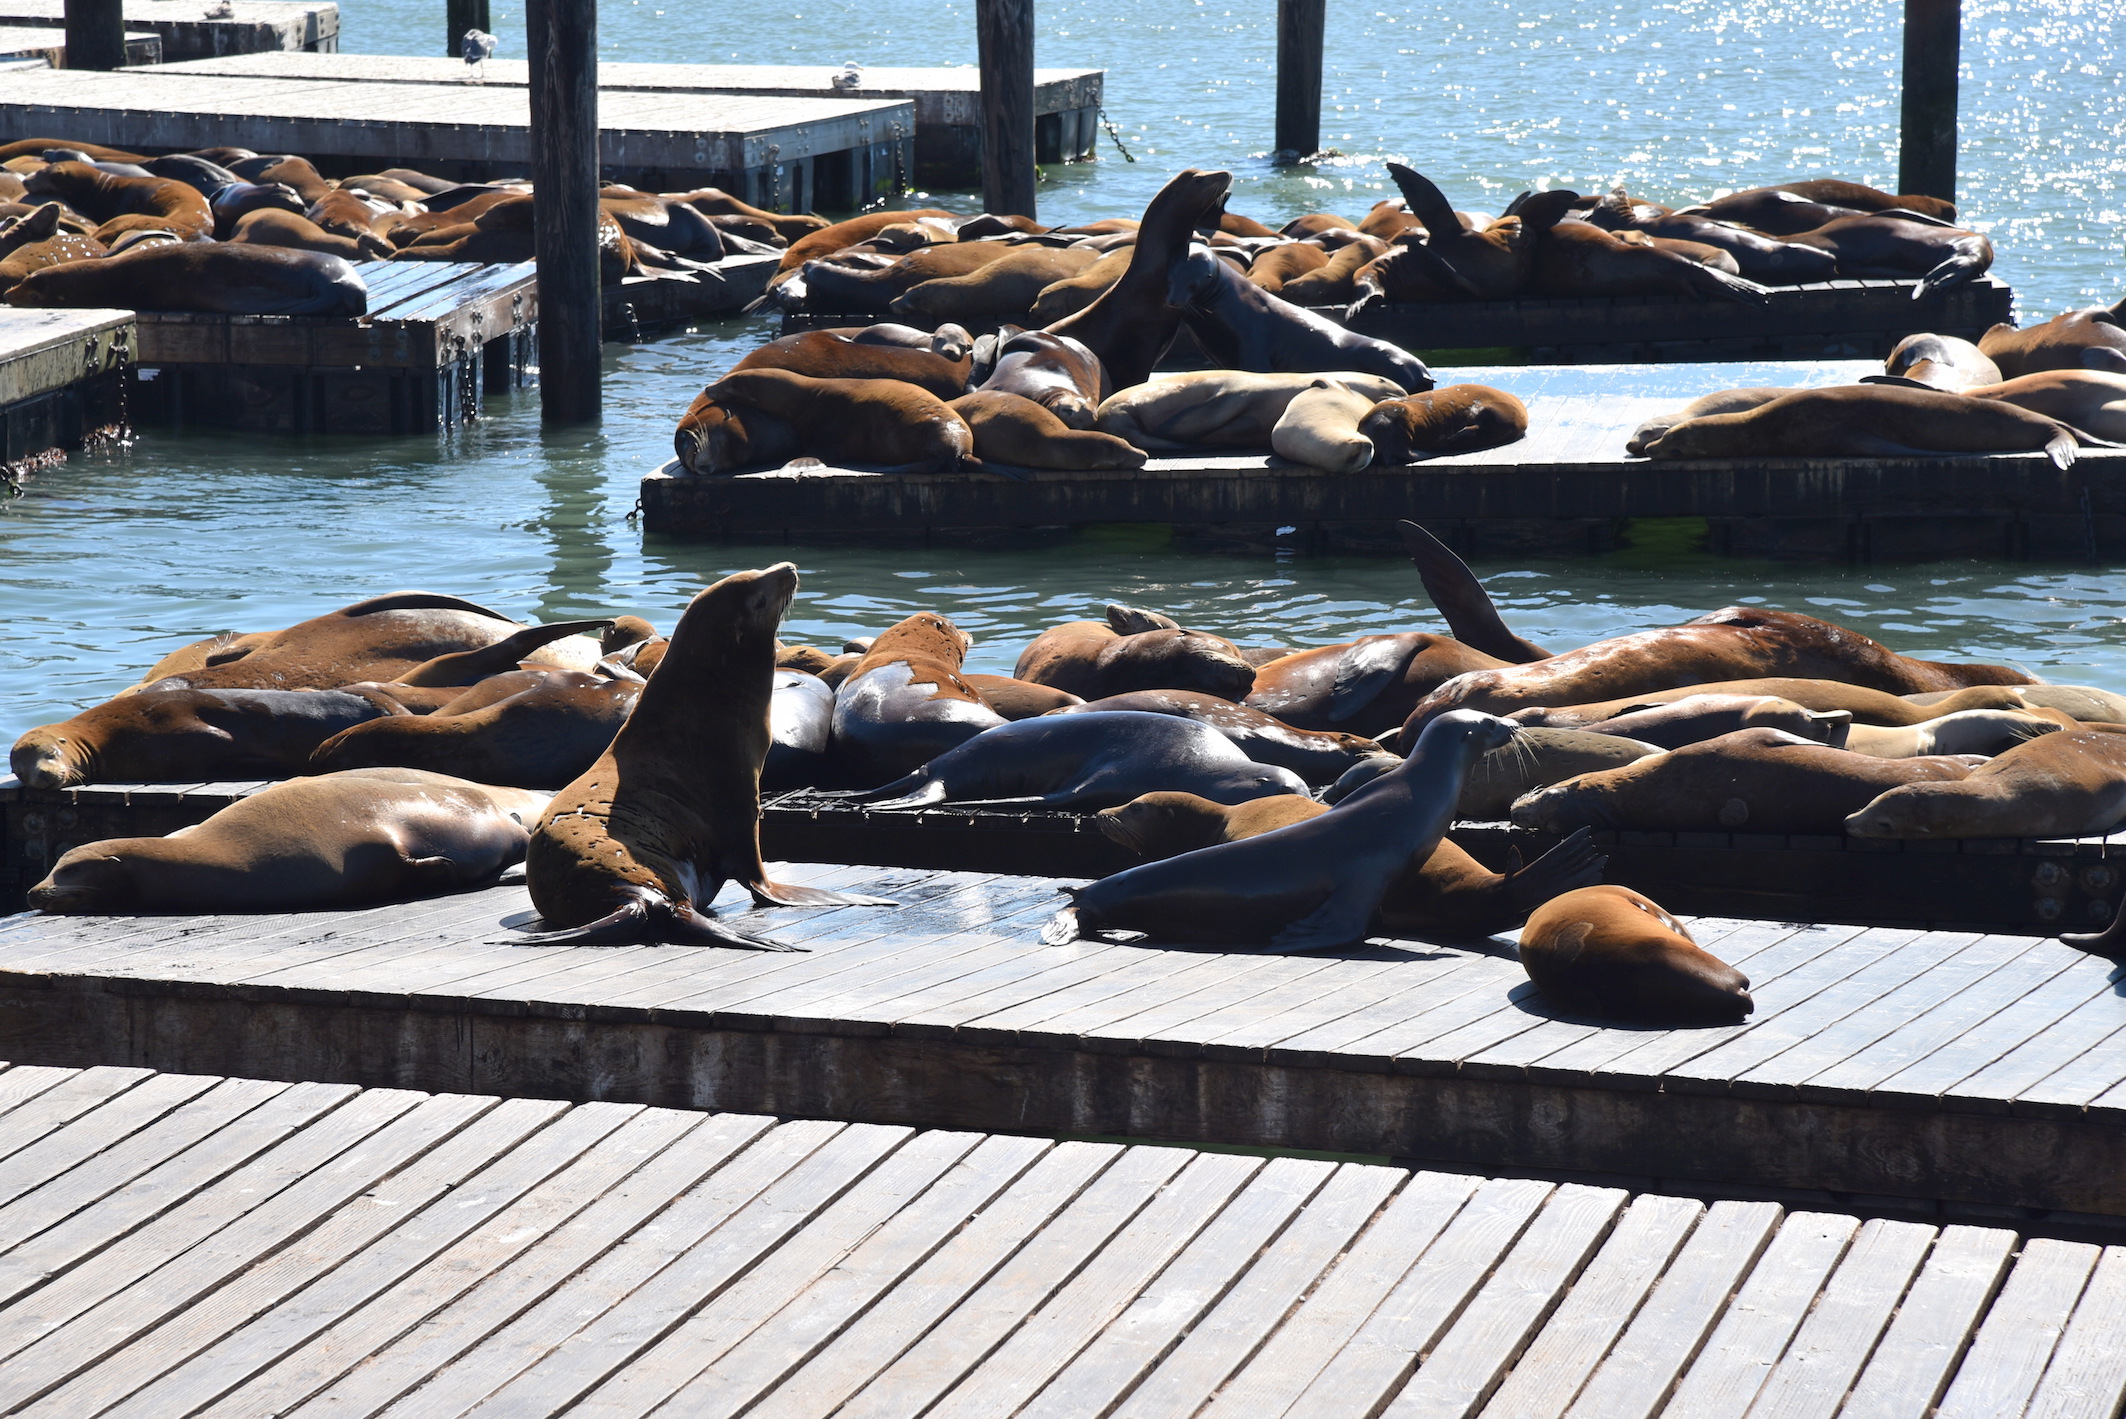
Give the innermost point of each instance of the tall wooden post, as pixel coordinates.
(1926, 154)
(1299, 30)
(460, 16)
(1004, 37)
(563, 39)
(95, 34)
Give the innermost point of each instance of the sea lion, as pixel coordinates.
(1242, 326)
(122, 204)
(1371, 683)
(1320, 428)
(1535, 759)
(2090, 401)
(1446, 893)
(715, 202)
(1771, 210)
(540, 737)
(38, 241)
(2082, 702)
(1725, 401)
(1054, 371)
(187, 735)
(1691, 719)
(33, 147)
(1021, 699)
(216, 277)
(903, 703)
(1281, 263)
(1893, 245)
(867, 422)
(1941, 362)
(1002, 289)
(349, 214)
(1978, 731)
(1308, 886)
(1217, 408)
(1866, 706)
(1334, 283)
(464, 699)
(1613, 954)
(1071, 296)
(2064, 785)
(238, 200)
(200, 174)
(820, 241)
(864, 284)
(1085, 761)
(1862, 198)
(676, 228)
(1461, 418)
(1461, 598)
(830, 354)
(1440, 258)
(800, 730)
(312, 844)
(2094, 338)
(1760, 258)
(1868, 421)
(1129, 325)
(1092, 660)
(296, 172)
(1574, 258)
(1012, 430)
(292, 229)
(643, 841)
(504, 233)
(1754, 780)
(1317, 756)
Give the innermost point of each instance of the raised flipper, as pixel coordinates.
(652, 921)
(466, 667)
(1570, 865)
(1340, 921)
(1461, 598)
(1131, 620)
(1424, 199)
(783, 894)
(420, 601)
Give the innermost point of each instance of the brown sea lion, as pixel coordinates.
(1461, 418)
(1016, 432)
(1003, 289)
(296, 172)
(639, 846)
(821, 241)
(1755, 780)
(122, 204)
(312, 844)
(503, 233)
(837, 283)
(1130, 325)
(23, 250)
(1888, 245)
(2091, 401)
(1281, 263)
(1020, 699)
(1771, 210)
(238, 200)
(1977, 731)
(1862, 198)
(1536, 759)
(1092, 660)
(217, 277)
(1334, 283)
(1241, 326)
(1724, 401)
(1318, 756)
(1613, 954)
(862, 422)
(292, 229)
(1053, 371)
(1442, 260)
(348, 214)
(539, 737)
(187, 735)
(1866, 706)
(1868, 421)
(1068, 297)
(1941, 362)
(1320, 428)
(2094, 338)
(715, 202)
(1691, 719)
(1388, 219)
(827, 354)
(1575, 258)
(1217, 408)
(1371, 683)
(903, 702)
(34, 147)
(1758, 257)
(1315, 223)
(2063, 785)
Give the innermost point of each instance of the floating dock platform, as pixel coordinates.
(1984, 1070)
(789, 154)
(186, 1243)
(1568, 488)
(193, 32)
(948, 122)
(63, 382)
(643, 304)
(48, 43)
(438, 338)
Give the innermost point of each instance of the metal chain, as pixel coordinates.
(1108, 124)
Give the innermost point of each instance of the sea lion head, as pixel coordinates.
(87, 880)
(1194, 278)
(1178, 660)
(1161, 824)
(49, 757)
(1466, 734)
(1914, 810)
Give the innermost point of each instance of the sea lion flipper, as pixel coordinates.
(2062, 450)
(1362, 672)
(780, 894)
(1062, 928)
(1130, 620)
(1572, 864)
(700, 929)
(1339, 921)
(419, 601)
(1472, 619)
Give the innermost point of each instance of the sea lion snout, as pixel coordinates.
(82, 882)
(42, 759)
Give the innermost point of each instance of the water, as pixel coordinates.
(118, 557)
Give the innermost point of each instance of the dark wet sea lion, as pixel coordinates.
(1771, 210)
(1445, 260)
(1941, 362)
(903, 702)
(1316, 756)
(1447, 893)
(1307, 886)
(1861, 198)
(1868, 421)
(1461, 418)
(865, 422)
(176, 736)
(1129, 325)
(2090, 401)
(1016, 432)
(1535, 759)
(1888, 245)
(1241, 326)
(800, 730)
(239, 200)
(825, 354)
(639, 846)
(311, 844)
(714, 202)
(2062, 785)
(1755, 780)
(1020, 699)
(1368, 684)
(1054, 371)
(216, 277)
(1086, 761)
(1613, 954)
(122, 204)
(200, 174)
(1579, 259)
(1092, 660)
(1757, 257)
(540, 737)
(2094, 338)
(677, 228)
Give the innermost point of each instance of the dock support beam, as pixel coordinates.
(563, 38)
(460, 16)
(1926, 154)
(1004, 38)
(1299, 30)
(95, 34)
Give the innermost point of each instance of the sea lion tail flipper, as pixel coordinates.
(1472, 619)
(1339, 921)
(1569, 866)
(1424, 199)
(2109, 943)
(697, 928)
(419, 601)
(768, 893)
(890, 797)
(1062, 928)
(2062, 449)
(621, 928)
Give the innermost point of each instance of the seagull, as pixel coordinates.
(851, 76)
(477, 47)
(221, 10)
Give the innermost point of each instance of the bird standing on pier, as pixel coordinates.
(477, 47)
(850, 76)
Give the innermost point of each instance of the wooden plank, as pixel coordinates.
(54, 1108)
(2014, 1345)
(2088, 1370)
(1742, 1350)
(84, 1137)
(2048, 1011)
(1906, 1374)
(1839, 1335)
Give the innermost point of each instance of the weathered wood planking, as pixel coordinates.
(62, 381)
(181, 1245)
(48, 42)
(249, 27)
(1937, 1067)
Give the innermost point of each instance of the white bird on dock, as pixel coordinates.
(477, 47)
(851, 76)
(221, 10)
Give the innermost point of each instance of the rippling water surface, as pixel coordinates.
(115, 558)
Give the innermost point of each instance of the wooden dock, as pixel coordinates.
(183, 1244)
(438, 338)
(48, 43)
(1568, 488)
(1965, 1067)
(948, 148)
(785, 153)
(63, 377)
(640, 305)
(190, 32)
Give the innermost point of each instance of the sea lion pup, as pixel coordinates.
(1692, 719)
(1130, 324)
(1092, 660)
(123, 204)
(1978, 731)
(903, 702)
(1448, 892)
(1754, 780)
(1461, 418)
(1012, 430)
(1316, 756)
(1086, 761)
(1869, 421)
(2091, 401)
(1054, 371)
(829, 354)
(2092, 338)
(1242, 326)
(2064, 785)
(1898, 245)
(1941, 362)
(311, 844)
(1725, 401)
(1020, 699)
(1308, 886)
(1613, 954)
(216, 277)
(539, 737)
(1320, 428)
(180, 735)
(1217, 408)
(875, 423)
(639, 846)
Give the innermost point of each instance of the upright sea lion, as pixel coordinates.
(1053, 371)
(1308, 886)
(1317, 756)
(1868, 421)
(1092, 660)
(123, 204)
(1616, 955)
(218, 277)
(1461, 418)
(1015, 431)
(1242, 326)
(2064, 785)
(540, 737)
(312, 844)
(830, 354)
(1941, 362)
(867, 422)
(187, 735)
(1320, 428)
(1218, 408)
(642, 842)
(1130, 325)
(903, 703)
(2091, 401)
(2094, 338)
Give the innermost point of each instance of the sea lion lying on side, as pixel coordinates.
(1613, 954)
(1869, 421)
(2069, 784)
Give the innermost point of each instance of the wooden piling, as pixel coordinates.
(95, 34)
(460, 16)
(1926, 157)
(563, 40)
(1299, 31)
(1004, 35)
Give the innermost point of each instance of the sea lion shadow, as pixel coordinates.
(1373, 949)
(1529, 1001)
